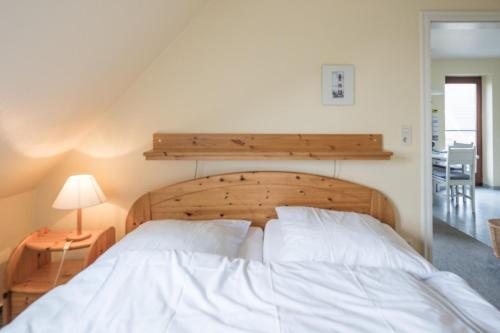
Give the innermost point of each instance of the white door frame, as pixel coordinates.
(426, 109)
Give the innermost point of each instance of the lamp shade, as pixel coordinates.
(79, 191)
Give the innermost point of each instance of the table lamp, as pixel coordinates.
(79, 192)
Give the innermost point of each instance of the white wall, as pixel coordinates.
(489, 70)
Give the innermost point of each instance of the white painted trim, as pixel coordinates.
(426, 126)
(426, 159)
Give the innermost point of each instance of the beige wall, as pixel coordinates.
(16, 222)
(255, 66)
(489, 70)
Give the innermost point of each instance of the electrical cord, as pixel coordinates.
(65, 249)
(335, 169)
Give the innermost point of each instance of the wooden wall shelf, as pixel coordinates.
(267, 147)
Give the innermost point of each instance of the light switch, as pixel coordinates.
(406, 135)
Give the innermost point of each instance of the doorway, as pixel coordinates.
(458, 88)
(428, 19)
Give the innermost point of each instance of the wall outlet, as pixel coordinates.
(406, 135)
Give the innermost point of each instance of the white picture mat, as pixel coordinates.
(327, 84)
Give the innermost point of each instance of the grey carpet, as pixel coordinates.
(456, 252)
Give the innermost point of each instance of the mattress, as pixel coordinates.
(139, 289)
(173, 291)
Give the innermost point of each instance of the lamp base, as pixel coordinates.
(75, 237)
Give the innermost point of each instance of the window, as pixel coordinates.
(463, 115)
(460, 113)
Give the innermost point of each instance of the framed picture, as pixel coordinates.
(338, 84)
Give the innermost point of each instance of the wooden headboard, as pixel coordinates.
(253, 196)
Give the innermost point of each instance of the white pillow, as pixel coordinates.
(251, 248)
(273, 240)
(222, 237)
(313, 234)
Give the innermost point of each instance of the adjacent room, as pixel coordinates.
(241, 166)
(465, 90)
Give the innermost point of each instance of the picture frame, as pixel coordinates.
(338, 84)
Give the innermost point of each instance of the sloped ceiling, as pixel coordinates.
(62, 63)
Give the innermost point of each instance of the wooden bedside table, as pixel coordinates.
(31, 270)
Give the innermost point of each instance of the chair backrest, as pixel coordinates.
(466, 157)
(462, 145)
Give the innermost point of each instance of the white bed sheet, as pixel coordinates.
(177, 292)
(251, 248)
(456, 290)
(272, 239)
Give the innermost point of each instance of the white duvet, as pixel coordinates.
(172, 291)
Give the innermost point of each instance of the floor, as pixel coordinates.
(461, 217)
(456, 252)
(462, 243)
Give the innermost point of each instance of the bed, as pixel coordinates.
(190, 263)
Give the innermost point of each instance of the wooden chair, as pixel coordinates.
(441, 165)
(459, 171)
(461, 167)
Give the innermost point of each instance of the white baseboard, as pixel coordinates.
(491, 187)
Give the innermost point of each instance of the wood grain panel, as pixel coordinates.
(263, 142)
(32, 261)
(42, 280)
(140, 212)
(254, 196)
(55, 240)
(103, 241)
(267, 146)
(21, 301)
